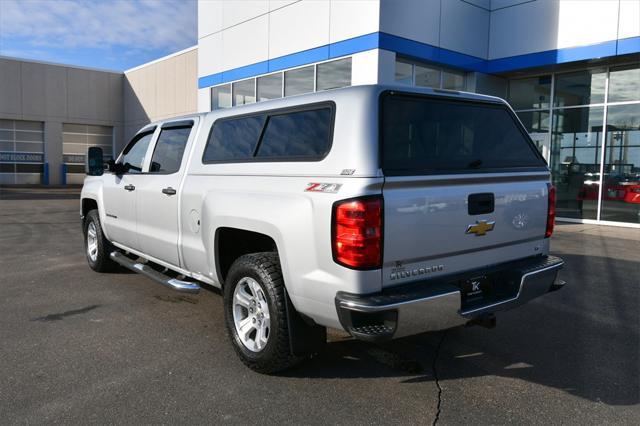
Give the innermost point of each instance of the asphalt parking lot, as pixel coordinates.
(82, 347)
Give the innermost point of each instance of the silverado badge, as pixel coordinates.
(481, 227)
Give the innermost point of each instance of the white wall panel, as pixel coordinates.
(586, 22)
(277, 4)
(386, 67)
(464, 28)
(204, 100)
(210, 54)
(298, 27)
(246, 43)
(629, 25)
(547, 25)
(413, 19)
(364, 67)
(526, 28)
(250, 31)
(209, 17)
(352, 18)
(235, 12)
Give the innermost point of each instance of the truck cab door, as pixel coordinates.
(120, 192)
(159, 194)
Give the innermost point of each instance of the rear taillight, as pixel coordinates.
(551, 210)
(357, 232)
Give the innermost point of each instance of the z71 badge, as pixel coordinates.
(328, 188)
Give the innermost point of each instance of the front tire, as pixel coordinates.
(255, 313)
(96, 247)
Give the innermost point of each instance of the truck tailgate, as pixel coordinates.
(437, 225)
(464, 186)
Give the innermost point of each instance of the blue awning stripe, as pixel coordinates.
(425, 52)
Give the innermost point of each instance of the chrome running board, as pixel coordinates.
(159, 277)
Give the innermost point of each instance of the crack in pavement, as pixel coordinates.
(437, 379)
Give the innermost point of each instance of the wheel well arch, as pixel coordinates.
(88, 204)
(231, 243)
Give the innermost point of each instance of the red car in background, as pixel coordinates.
(627, 191)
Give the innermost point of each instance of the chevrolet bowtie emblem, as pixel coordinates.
(481, 227)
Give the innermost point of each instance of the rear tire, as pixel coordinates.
(96, 247)
(254, 295)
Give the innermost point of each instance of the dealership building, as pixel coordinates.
(570, 69)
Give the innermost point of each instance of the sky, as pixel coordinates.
(108, 34)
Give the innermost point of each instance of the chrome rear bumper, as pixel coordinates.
(439, 304)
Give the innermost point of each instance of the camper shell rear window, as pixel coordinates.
(427, 134)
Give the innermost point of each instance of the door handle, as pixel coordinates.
(483, 203)
(130, 187)
(169, 191)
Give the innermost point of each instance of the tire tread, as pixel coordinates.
(267, 265)
(103, 262)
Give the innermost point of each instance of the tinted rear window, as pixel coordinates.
(422, 135)
(281, 135)
(298, 134)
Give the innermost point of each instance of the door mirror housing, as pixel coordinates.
(94, 165)
(117, 169)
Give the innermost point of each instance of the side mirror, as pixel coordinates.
(117, 168)
(94, 165)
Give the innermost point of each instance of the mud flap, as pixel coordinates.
(304, 338)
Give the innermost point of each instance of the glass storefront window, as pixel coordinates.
(579, 88)
(424, 75)
(537, 124)
(221, 97)
(621, 186)
(298, 81)
(452, 80)
(334, 74)
(404, 73)
(270, 87)
(530, 93)
(575, 160)
(427, 77)
(535, 121)
(579, 142)
(624, 84)
(244, 92)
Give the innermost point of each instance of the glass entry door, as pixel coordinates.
(575, 161)
(621, 189)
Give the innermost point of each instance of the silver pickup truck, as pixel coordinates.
(383, 211)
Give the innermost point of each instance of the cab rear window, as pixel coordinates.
(430, 135)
